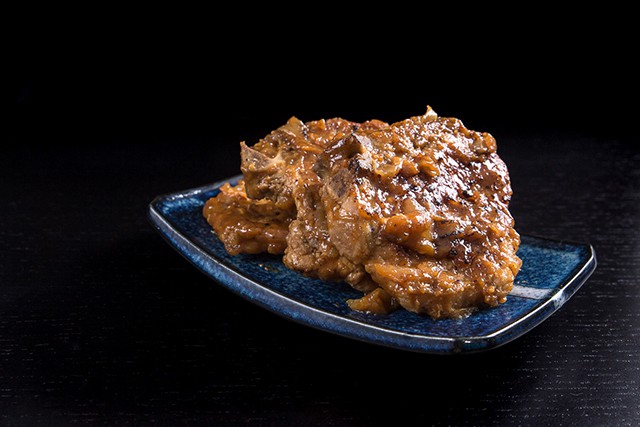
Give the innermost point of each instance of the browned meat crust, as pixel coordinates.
(413, 214)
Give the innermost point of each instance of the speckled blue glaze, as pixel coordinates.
(552, 269)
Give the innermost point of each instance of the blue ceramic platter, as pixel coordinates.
(551, 273)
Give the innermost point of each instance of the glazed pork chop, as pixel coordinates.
(276, 209)
(413, 214)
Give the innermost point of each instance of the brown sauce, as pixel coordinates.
(414, 214)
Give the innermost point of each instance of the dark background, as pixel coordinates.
(102, 322)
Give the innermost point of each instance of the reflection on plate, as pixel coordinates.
(551, 273)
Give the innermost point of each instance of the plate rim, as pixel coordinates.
(283, 305)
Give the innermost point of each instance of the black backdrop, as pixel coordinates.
(100, 321)
(196, 79)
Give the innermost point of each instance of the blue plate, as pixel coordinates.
(551, 273)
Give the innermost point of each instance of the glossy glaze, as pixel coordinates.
(413, 214)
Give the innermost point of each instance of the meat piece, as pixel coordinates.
(423, 205)
(413, 214)
(280, 168)
(279, 184)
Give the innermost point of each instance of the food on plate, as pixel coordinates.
(413, 214)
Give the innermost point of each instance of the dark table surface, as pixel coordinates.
(102, 322)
